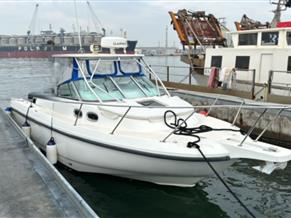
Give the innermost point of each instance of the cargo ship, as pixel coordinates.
(48, 43)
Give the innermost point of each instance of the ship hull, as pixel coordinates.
(46, 51)
(30, 54)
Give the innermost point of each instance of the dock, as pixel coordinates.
(30, 186)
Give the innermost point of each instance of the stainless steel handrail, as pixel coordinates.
(79, 114)
(270, 122)
(238, 111)
(120, 120)
(214, 102)
(102, 104)
(253, 127)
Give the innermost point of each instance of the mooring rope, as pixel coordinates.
(191, 144)
(181, 129)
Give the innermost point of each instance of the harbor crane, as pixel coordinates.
(31, 28)
(95, 19)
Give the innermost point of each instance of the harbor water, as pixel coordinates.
(112, 197)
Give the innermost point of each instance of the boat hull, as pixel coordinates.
(82, 156)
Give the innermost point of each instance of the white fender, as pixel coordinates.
(26, 128)
(51, 151)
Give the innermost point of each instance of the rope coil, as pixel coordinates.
(181, 128)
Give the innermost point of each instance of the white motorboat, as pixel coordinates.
(108, 117)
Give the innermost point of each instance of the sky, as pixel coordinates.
(143, 20)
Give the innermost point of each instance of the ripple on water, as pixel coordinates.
(265, 195)
(18, 77)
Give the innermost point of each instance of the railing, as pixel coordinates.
(122, 118)
(200, 73)
(276, 82)
(241, 106)
(167, 68)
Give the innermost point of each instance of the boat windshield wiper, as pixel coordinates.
(138, 85)
(115, 84)
(102, 90)
(105, 87)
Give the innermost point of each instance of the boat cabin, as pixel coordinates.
(262, 50)
(107, 77)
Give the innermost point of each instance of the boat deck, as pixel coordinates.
(29, 186)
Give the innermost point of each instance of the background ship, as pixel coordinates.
(47, 43)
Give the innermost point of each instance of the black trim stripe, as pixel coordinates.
(142, 153)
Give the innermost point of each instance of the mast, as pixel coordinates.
(282, 5)
(166, 40)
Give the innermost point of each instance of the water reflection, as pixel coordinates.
(117, 197)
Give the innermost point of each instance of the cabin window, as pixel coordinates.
(288, 38)
(270, 38)
(247, 39)
(147, 86)
(92, 116)
(78, 113)
(129, 67)
(242, 62)
(74, 94)
(216, 61)
(101, 67)
(64, 90)
(129, 87)
(289, 64)
(106, 89)
(102, 88)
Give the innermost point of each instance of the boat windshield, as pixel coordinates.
(109, 80)
(115, 88)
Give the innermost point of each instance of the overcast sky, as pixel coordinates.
(144, 21)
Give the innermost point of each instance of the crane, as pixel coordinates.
(95, 19)
(248, 24)
(31, 28)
